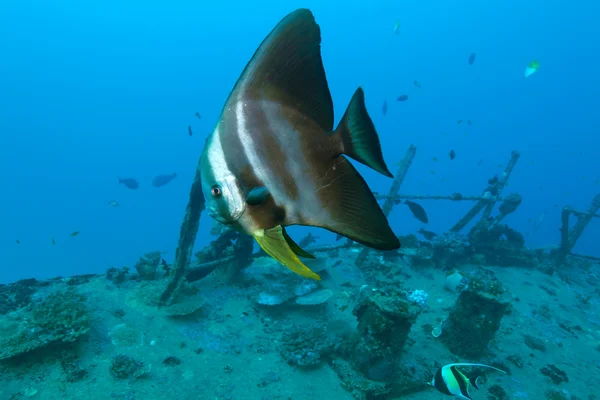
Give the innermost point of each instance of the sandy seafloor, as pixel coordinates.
(230, 350)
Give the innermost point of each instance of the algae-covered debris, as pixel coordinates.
(16, 295)
(60, 317)
(125, 367)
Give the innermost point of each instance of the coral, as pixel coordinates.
(502, 245)
(125, 367)
(147, 265)
(117, 275)
(517, 360)
(534, 343)
(315, 298)
(16, 295)
(60, 317)
(186, 307)
(384, 322)
(497, 393)
(449, 249)
(555, 374)
(473, 322)
(307, 347)
(126, 336)
(360, 387)
(270, 299)
(305, 287)
(171, 361)
(418, 297)
(556, 395)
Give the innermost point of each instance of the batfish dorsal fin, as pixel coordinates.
(359, 137)
(275, 243)
(287, 68)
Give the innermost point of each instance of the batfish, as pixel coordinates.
(274, 158)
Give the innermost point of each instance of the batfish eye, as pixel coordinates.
(216, 191)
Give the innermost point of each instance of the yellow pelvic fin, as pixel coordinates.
(274, 242)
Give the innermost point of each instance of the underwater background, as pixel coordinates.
(105, 108)
(96, 90)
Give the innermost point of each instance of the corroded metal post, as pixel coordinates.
(389, 201)
(570, 237)
(495, 190)
(187, 237)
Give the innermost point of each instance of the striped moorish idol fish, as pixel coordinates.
(451, 381)
(275, 159)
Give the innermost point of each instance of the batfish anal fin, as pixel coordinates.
(273, 242)
(350, 208)
(300, 252)
(287, 68)
(257, 195)
(359, 137)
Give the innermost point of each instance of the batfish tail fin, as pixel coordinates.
(359, 137)
(276, 243)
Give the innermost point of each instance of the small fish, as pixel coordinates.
(480, 162)
(190, 130)
(397, 28)
(418, 211)
(268, 122)
(308, 240)
(452, 154)
(493, 180)
(384, 108)
(198, 115)
(18, 241)
(129, 183)
(469, 122)
(417, 84)
(471, 58)
(459, 121)
(450, 381)
(162, 180)
(53, 242)
(114, 203)
(427, 234)
(343, 308)
(403, 97)
(532, 68)
(432, 171)
(435, 159)
(74, 234)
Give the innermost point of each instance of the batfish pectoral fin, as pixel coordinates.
(350, 208)
(275, 243)
(257, 196)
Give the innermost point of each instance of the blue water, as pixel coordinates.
(93, 90)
